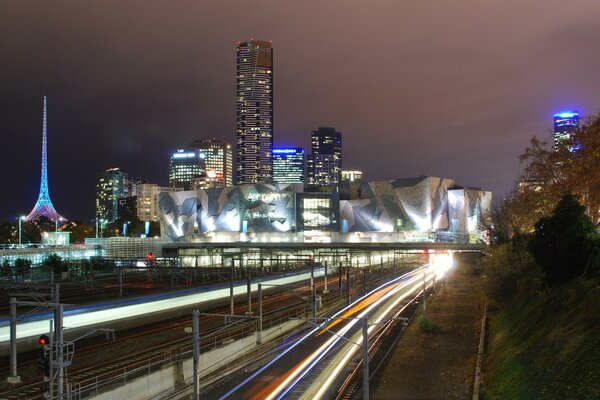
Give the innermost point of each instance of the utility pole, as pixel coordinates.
(313, 290)
(424, 293)
(248, 288)
(260, 315)
(13, 377)
(365, 329)
(348, 283)
(196, 340)
(325, 290)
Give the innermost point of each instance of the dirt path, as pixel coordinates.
(438, 365)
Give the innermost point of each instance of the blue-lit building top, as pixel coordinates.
(565, 123)
(288, 165)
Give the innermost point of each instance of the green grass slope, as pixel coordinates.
(547, 347)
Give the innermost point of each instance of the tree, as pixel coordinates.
(54, 264)
(8, 233)
(6, 270)
(548, 173)
(565, 243)
(22, 268)
(80, 231)
(510, 271)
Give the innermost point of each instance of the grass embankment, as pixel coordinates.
(547, 346)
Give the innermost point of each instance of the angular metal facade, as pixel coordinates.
(424, 204)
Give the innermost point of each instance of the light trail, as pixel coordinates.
(252, 377)
(282, 386)
(92, 315)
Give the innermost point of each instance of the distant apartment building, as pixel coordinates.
(113, 184)
(324, 165)
(288, 165)
(147, 200)
(254, 100)
(219, 161)
(185, 165)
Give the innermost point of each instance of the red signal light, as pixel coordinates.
(43, 340)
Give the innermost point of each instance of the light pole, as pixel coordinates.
(56, 224)
(21, 218)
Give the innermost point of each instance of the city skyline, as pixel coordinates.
(430, 100)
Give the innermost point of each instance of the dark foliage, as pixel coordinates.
(565, 244)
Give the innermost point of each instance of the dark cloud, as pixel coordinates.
(441, 88)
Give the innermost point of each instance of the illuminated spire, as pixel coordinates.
(44, 206)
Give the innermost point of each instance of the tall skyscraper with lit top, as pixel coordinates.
(44, 207)
(565, 123)
(254, 111)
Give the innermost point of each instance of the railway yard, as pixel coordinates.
(142, 344)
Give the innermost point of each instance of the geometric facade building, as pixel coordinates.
(565, 123)
(219, 161)
(288, 165)
(325, 163)
(420, 206)
(254, 103)
(43, 206)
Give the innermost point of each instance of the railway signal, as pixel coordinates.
(43, 366)
(43, 340)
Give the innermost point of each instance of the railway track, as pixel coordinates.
(88, 369)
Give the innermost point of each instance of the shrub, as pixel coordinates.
(428, 326)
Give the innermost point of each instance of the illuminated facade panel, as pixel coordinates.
(324, 165)
(565, 123)
(402, 204)
(184, 166)
(254, 111)
(288, 165)
(466, 208)
(219, 161)
(242, 208)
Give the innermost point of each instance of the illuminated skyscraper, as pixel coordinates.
(219, 161)
(325, 163)
(288, 165)
(254, 111)
(113, 184)
(184, 166)
(44, 207)
(565, 123)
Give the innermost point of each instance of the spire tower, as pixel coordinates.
(44, 206)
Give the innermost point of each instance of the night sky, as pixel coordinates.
(443, 88)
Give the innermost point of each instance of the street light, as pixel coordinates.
(21, 218)
(56, 223)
